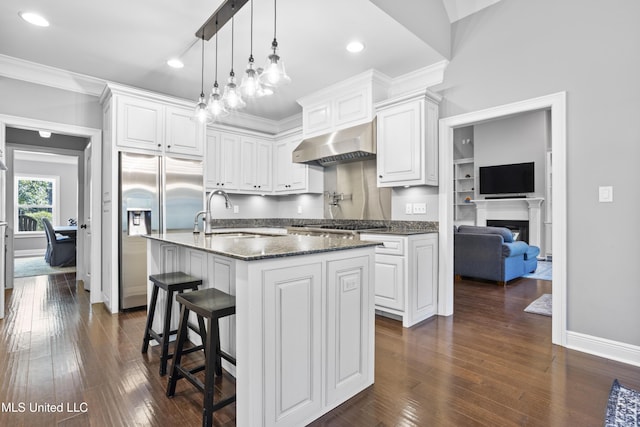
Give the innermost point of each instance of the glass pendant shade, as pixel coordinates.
(201, 113)
(232, 97)
(274, 74)
(216, 105)
(251, 86)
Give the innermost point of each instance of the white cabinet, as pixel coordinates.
(406, 281)
(344, 104)
(157, 127)
(183, 134)
(347, 345)
(292, 337)
(256, 165)
(139, 124)
(222, 161)
(407, 131)
(294, 178)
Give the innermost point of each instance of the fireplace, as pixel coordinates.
(520, 229)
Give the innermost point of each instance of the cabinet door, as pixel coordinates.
(389, 281)
(423, 278)
(264, 172)
(140, 124)
(183, 134)
(292, 326)
(222, 272)
(229, 161)
(282, 166)
(255, 167)
(400, 140)
(431, 143)
(349, 323)
(212, 166)
(352, 108)
(317, 119)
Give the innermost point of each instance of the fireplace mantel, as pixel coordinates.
(525, 208)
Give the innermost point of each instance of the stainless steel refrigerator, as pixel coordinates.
(157, 194)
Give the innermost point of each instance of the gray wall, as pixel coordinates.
(520, 49)
(24, 99)
(516, 139)
(68, 194)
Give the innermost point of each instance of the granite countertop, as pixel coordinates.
(248, 247)
(397, 231)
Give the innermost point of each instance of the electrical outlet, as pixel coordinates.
(408, 209)
(299, 209)
(605, 194)
(419, 208)
(236, 209)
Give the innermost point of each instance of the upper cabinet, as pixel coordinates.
(294, 178)
(152, 124)
(222, 160)
(256, 165)
(407, 140)
(342, 105)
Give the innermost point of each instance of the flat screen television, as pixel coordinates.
(515, 178)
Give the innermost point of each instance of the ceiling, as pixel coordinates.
(129, 42)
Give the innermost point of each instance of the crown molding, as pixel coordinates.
(19, 69)
(419, 79)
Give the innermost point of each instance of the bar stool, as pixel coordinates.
(170, 283)
(211, 304)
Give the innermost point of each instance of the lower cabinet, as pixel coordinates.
(406, 282)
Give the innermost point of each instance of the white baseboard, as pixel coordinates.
(602, 347)
(24, 253)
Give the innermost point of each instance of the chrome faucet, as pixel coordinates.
(207, 217)
(195, 221)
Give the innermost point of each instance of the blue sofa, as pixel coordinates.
(490, 253)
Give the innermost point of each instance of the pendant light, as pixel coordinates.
(201, 112)
(251, 86)
(232, 97)
(274, 74)
(216, 105)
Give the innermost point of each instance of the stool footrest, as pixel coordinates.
(226, 356)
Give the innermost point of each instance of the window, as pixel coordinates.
(36, 198)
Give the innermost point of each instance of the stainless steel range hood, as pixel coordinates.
(346, 145)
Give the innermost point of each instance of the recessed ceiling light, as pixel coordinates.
(44, 134)
(34, 19)
(175, 63)
(355, 47)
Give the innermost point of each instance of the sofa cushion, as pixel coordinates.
(532, 252)
(506, 234)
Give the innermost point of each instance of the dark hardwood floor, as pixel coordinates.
(489, 364)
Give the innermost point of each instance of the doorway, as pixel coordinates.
(94, 136)
(556, 103)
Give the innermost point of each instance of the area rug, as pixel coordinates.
(623, 408)
(37, 266)
(540, 306)
(544, 271)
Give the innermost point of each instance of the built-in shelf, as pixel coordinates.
(464, 183)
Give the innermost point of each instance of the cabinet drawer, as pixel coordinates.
(391, 245)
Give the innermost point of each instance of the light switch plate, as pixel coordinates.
(408, 209)
(605, 194)
(419, 208)
(236, 209)
(299, 209)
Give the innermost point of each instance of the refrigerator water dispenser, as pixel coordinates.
(138, 222)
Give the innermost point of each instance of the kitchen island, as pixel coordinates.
(303, 333)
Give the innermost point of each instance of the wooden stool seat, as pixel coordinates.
(212, 305)
(175, 282)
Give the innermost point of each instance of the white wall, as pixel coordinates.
(521, 49)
